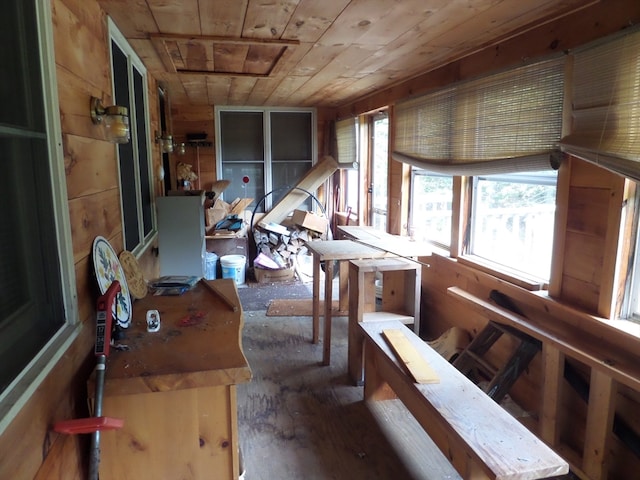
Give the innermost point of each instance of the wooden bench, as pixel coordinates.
(477, 435)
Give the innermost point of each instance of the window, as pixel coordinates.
(431, 207)
(512, 220)
(37, 309)
(348, 157)
(605, 130)
(272, 148)
(379, 169)
(130, 87)
(489, 128)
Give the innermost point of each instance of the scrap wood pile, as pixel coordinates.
(278, 245)
(229, 219)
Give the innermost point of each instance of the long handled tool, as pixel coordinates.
(97, 423)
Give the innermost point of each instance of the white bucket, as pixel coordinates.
(210, 265)
(233, 266)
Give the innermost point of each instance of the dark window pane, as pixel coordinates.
(242, 137)
(143, 152)
(291, 136)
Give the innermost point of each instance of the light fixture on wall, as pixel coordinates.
(114, 118)
(182, 148)
(166, 142)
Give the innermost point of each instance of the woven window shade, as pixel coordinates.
(506, 122)
(347, 142)
(606, 105)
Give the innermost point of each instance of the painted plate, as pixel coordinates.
(133, 274)
(107, 269)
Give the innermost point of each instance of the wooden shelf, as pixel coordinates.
(401, 289)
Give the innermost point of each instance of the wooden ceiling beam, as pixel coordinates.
(223, 40)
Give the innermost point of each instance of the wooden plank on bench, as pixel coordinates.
(478, 436)
(418, 367)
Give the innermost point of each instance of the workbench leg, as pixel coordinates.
(315, 304)
(600, 415)
(343, 276)
(553, 368)
(375, 386)
(328, 294)
(355, 347)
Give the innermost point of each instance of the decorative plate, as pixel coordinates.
(133, 274)
(107, 269)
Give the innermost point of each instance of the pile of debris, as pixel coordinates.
(278, 245)
(227, 219)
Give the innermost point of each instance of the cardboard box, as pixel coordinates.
(265, 275)
(310, 221)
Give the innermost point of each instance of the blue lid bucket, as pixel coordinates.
(233, 266)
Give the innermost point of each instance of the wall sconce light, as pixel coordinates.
(166, 142)
(182, 148)
(116, 121)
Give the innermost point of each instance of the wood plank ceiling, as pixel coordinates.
(322, 53)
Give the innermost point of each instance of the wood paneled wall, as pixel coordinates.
(28, 447)
(187, 119)
(590, 203)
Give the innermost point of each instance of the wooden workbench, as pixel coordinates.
(328, 252)
(366, 243)
(176, 389)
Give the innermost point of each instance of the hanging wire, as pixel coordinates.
(287, 187)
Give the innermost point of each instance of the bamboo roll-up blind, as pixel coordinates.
(605, 87)
(506, 122)
(347, 142)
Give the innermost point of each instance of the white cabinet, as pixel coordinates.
(181, 234)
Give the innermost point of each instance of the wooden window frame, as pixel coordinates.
(142, 163)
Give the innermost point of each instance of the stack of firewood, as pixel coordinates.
(280, 244)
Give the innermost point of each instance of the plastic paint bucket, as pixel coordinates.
(233, 266)
(210, 265)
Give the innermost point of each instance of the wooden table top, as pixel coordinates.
(343, 250)
(363, 232)
(395, 244)
(199, 344)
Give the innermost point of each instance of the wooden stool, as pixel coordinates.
(401, 287)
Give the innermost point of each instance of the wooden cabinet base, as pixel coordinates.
(187, 434)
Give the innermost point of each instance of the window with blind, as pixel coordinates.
(605, 130)
(505, 122)
(36, 267)
(503, 129)
(605, 87)
(347, 142)
(348, 158)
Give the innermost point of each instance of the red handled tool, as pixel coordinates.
(97, 423)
